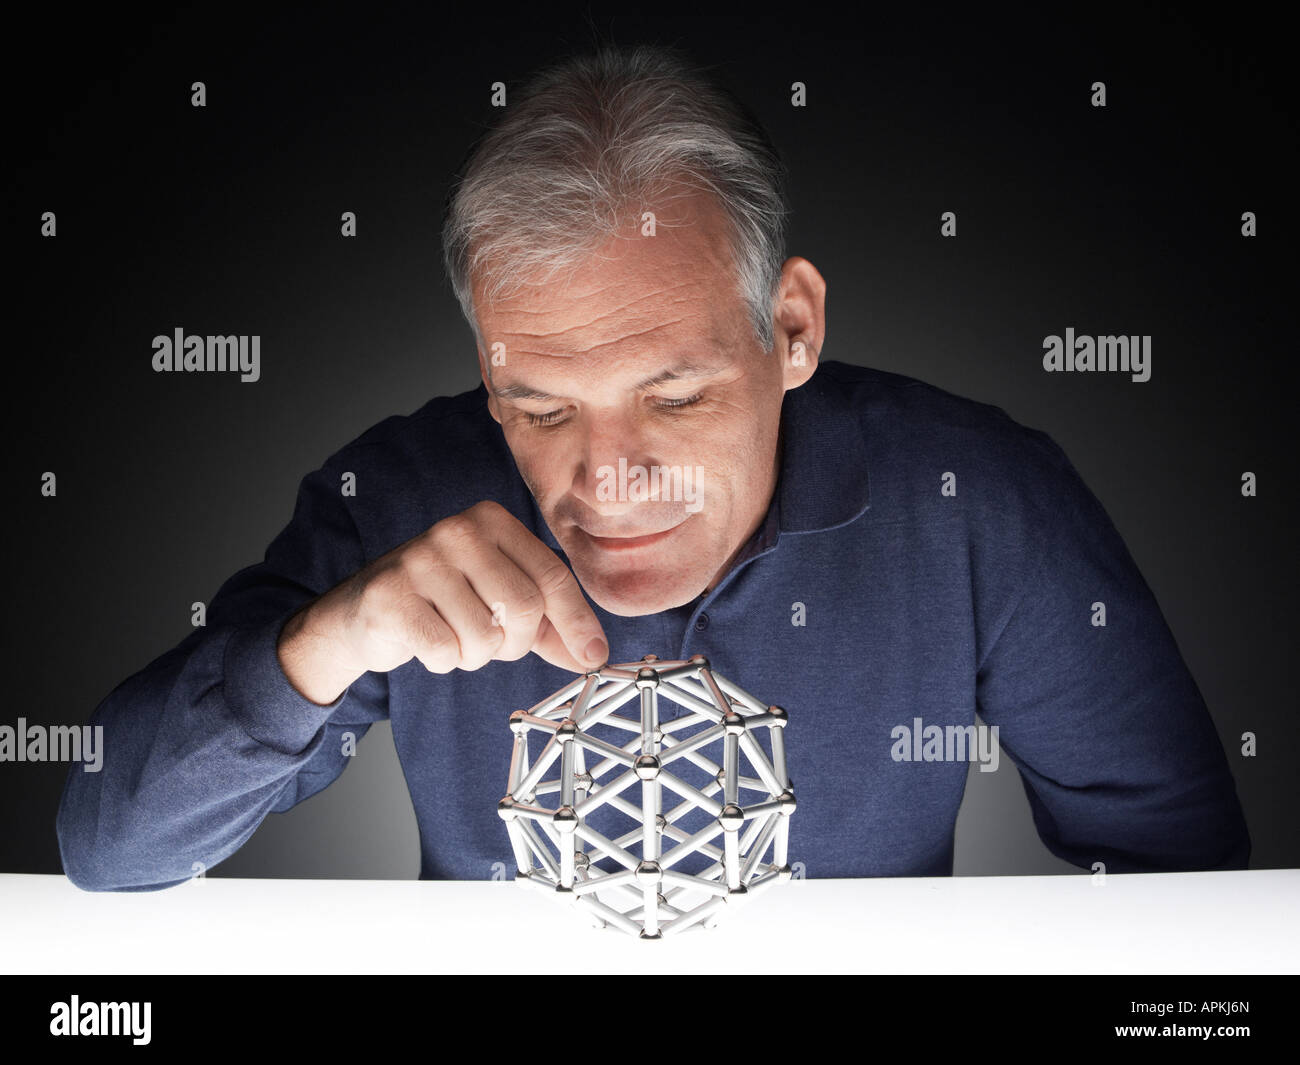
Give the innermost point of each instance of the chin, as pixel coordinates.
(634, 593)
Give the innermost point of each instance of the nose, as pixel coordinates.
(615, 455)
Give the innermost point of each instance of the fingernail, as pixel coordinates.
(597, 651)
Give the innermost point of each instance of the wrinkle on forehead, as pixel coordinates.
(689, 262)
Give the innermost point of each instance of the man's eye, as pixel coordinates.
(669, 404)
(553, 416)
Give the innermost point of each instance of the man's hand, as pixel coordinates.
(474, 588)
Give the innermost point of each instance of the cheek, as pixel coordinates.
(539, 469)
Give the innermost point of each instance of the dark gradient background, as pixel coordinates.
(226, 220)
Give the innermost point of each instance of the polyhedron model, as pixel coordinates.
(626, 862)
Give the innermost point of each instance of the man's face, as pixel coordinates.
(640, 409)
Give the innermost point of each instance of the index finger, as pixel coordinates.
(566, 608)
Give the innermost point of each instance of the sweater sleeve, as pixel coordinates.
(1116, 749)
(205, 741)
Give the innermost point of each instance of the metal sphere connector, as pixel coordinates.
(734, 724)
(646, 766)
(567, 730)
(731, 818)
(506, 809)
(648, 872)
(565, 819)
(788, 805)
(647, 678)
(778, 715)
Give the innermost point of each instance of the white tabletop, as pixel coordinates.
(1229, 922)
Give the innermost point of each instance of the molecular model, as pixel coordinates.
(598, 834)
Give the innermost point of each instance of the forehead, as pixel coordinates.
(632, 301)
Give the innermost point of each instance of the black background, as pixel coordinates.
(225, 219)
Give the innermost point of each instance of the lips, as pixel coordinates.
(630, 543)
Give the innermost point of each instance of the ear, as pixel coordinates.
(800, 319)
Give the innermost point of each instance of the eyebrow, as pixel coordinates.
(680, 372)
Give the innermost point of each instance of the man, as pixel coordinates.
(659, 461)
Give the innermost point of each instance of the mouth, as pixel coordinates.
(630, 543)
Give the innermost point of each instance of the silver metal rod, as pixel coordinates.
(537, 813)
(731, 768)
(600, 709)
(533, 721)
(681, 748)
(518, 759)
(544, 762)
(605, 793)
(778, 757)
(676, 724)
(609, 914)
(683, 789)
(760, 763)
(731, 863)
(649, 830)
(608, 880)
(562, 696)
(683, 697)
(719, 698)
(607, 847)
(625, 724)
(733, 689)
(673, 670)
(694, 757)
(523, 862)
(690, 845)
(616, 754)
(772, 876)
(694, 917)
(650, 917)
(566, 773)
(693, 883)
(583, 701)
(539, 849)
(762, 809)
(756, 851)
(649, 719)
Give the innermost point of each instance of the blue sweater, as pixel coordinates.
(919, 606)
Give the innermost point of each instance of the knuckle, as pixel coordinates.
(525, 604)
(432, 636)
(457, 529)
(373, 624)
(416, 561)
(378, 592)
(554, 578)
(487, 509)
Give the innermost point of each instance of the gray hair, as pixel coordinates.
(592, 137)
